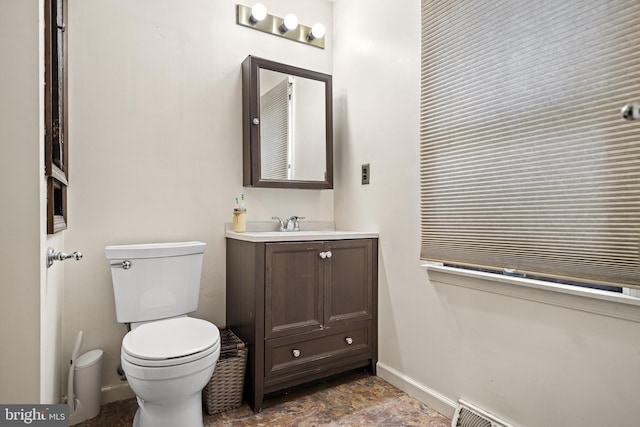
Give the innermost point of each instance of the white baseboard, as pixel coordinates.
(424, 394)
(114, 392)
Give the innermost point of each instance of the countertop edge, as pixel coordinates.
(301, 236)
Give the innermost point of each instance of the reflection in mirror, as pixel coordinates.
(287, 126)
(292, 132)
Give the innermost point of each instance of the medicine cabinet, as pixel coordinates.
(287, 126)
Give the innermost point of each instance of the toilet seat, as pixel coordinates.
(170, 342)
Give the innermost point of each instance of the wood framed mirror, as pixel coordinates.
(287, 126)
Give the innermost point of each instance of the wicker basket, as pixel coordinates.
(224, 389)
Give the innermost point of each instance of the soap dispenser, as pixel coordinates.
(240, 216)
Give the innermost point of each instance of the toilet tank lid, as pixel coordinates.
(154, 250)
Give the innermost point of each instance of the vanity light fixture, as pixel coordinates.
(258, 13)
(317, 31)
(290, 23)
(256, 17)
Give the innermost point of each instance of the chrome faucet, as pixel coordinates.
(291, 224)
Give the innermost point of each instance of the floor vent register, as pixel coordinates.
(467, 415)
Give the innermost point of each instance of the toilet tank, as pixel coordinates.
(155, 281)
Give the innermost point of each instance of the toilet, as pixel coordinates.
(167, 357)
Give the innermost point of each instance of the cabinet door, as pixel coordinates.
(348, 278)
(293, 288)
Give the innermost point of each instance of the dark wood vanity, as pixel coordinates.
(307, 309)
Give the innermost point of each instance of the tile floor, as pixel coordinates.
(354, 400)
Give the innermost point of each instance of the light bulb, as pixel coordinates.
(258, 13)
(317, 31)
(290, 23)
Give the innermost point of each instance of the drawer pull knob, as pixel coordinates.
(349, 340)
(296, 352)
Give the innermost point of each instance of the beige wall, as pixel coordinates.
(532, 363)
(53, 371)
(156, 143)
(156, 152)
(20, 215)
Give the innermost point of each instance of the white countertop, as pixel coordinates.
(296, 236)
(261, 235)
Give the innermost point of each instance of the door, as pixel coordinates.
(293, 288)
(348, 278)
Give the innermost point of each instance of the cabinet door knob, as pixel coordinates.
(349, 340)
(329, 254)
(296, 352)
(323, 255)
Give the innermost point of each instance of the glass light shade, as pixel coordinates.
(317, 31)
(290, 22)
(258, 12)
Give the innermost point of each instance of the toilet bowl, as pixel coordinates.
(168, 363)
(167, 357)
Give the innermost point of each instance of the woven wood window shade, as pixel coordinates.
(525, 160)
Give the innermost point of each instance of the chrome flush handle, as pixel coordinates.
(125, 265)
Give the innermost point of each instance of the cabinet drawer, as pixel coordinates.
(314, 349)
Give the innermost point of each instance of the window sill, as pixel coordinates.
(589, 300)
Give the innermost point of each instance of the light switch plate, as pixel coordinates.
(366, 174)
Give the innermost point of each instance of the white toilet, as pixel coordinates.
(167, 357)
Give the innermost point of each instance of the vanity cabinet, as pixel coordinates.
(307, 309)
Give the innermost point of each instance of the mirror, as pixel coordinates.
(287, 126)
